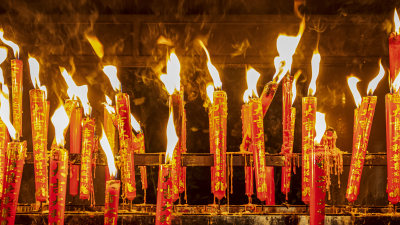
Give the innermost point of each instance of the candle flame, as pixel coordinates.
(172, 80)
(105, 145)
(315, 61)
(60, 122)
(96, 45)
(294, 88)
(374, 82)
(211, 68)
(320, 127)
(34, 71)
(135, 124)
(80, 92)
(252, 79)
(14, 46)
(210, 92)
(111, 73)
(172, 139)
(108, 105)
(5, 111)
(352, 81)
(396, 83)
(3, 56)
(396, 22)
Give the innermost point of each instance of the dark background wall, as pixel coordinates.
(352, 37)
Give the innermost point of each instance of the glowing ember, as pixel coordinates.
(108, 105)
(172, 80)
(320, 126)
(14, 46)
(105, 145)
(211, 68)
(111, 72)
(60, 122)
(5, 111)
(374, 82)
(252, 79)
(315, 61)
(172, 139)
(352, 81)
(135, 124)
(396, 22)
(96, 45)
(210, 92)
(34, 71)
(3, 56)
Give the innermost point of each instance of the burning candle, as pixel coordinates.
(171, 82)
(318, 174)
(164, 190)
(288, 122)
(394, 48)
(112, 185)
(39, 113)
(139, 147)
(109, 128)
(362, 126)
(308, 115)
(392, 106)
(219, 114)
(3, 132)
(58, 168)
(246, 135)
(16, 81)
(15, 159)
(125, 134)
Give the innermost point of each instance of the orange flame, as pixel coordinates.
(211, 68)
(60, 122)
(135, 124)
(252, 79)
(172, 80)
(210, 92)
(396, 22)
(374, 82)
(5, 111)
(111, 72)
(172, 139)
(105, 145)
(34, 71)
(294, 88)
(77, 91)
(352, 81)
(14, 46)
(315, 61)
(96, 45)
(108, 105)
(320, 126)
(396, 83)
(3, 56)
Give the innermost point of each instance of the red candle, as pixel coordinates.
(364, 116)
(75, 146)
(16, 152)
(182, 179)
(212, 146)
(58, 185)
(16, 81)
(164, 198)
(111, 202)
(88, 126)
(139, 147)
(267, 95)
(393, 146)
(3, 151)
(109, 129)
(318, 186)
(248, 169)
(39, 112)
(309, 106)
(394, 49)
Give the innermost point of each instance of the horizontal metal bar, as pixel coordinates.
(206, 159)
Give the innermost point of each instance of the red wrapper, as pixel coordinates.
(267, 95)
(364, 117)
(393, 146)
(219, 116)
(248, 169)
(88, 126)
(164, 198)
(309, 107)
(16, 80)
(111, 202)
(109, 130)
(3, 152)
(39, 142)
(58, 185)
(394, 56)
(318, 186)
(125, 134)
(287, 151)
(75, 133)
(16, 152)
(257, 142)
